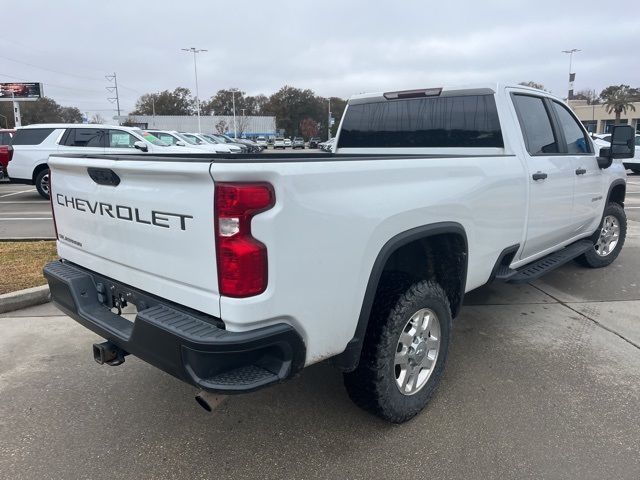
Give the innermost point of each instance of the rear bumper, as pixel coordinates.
(189, 345)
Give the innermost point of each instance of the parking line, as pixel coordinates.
(42, 202)
(17, 193)
(27, 218)
(44, 212)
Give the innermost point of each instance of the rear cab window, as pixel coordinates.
(430, 122)
(31, 136)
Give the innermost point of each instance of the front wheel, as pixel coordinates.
(42, 183)
(404, 353)
(608, 239)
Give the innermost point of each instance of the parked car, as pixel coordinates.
(633, 164)
(287, 142)
(262, 141)
(253, 146)
(6, 151)
(314, 141)
(328, 145)
(298, 142)
(217, 138)
(33, 144)
(6, 134)
(426, 202)
(178, 139)
(279, 142)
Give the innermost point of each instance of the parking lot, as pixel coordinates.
(25, 214)
(543, 381)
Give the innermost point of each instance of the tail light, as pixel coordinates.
(242, 260)
(6, 154)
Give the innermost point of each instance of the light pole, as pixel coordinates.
(195, 51)
(572, 76)
(233, 101)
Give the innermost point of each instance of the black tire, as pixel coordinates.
(372, 385)
(42, 183)
(592, 259)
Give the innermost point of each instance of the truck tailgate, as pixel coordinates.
(142, 222)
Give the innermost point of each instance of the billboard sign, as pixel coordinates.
(20, 91)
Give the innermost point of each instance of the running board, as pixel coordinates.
(544, 265)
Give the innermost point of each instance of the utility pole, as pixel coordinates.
(572, 76)
(17, 120)
(233, 101)
(113, 78)
(195, 51)
(329, 122)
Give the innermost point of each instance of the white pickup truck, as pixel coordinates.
(244, 270)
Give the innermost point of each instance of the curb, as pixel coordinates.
(28, 297)
(27, 239)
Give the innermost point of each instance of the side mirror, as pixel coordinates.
(623, 141)
(604, 158)
(140, 145)
(623, 145)
(180, 143)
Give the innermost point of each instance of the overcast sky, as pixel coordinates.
(336, 48)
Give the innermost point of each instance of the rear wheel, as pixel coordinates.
(42, 183)
(404, 353)
(609, 239)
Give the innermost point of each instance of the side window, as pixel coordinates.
(576, 139)
(535, 124)
(31, 136)
(120, 139)
(82, 137)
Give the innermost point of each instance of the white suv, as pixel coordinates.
(33, 144)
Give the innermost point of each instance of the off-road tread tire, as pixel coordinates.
(591, 259)
(372, 385)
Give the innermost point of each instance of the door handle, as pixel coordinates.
(539, 176)
(581, 171)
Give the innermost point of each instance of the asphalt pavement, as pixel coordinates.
(24, 213)
(543, 381)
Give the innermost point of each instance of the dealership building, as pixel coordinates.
(247, 126)
(597, 120)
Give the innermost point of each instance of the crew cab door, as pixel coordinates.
(588, 197)
(551, 176)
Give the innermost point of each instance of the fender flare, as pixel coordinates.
(615, 183)
(348, 360)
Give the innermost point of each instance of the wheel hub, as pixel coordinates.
(417, 351)
(609, 236)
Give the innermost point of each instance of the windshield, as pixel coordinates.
(211, 138)
(153, 139)
(195, 140)
(187, 138)
(165, 137)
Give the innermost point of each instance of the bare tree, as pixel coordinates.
(97, 118)
(242, 124)
(531, 84)
(221, 127)
(590, 96)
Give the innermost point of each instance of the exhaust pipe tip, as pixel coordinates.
(208, 400)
